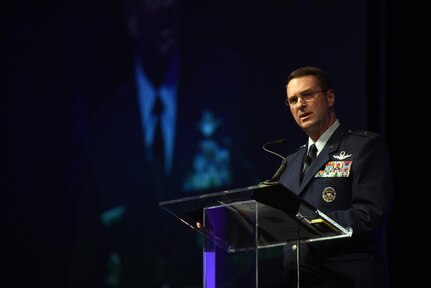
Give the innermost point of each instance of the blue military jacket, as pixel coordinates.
(351, 182)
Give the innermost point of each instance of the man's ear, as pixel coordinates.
(330, 95)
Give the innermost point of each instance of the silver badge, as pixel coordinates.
(342, 155)
(329, 194)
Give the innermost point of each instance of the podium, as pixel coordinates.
(244, 220)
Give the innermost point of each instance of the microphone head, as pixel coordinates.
(281, 141)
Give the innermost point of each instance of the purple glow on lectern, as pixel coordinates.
(210, 268)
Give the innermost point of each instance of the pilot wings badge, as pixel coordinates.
(342, 155)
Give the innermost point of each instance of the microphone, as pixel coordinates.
(307, 160)
(280, 170)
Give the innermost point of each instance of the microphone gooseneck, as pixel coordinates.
(280, 141)
(280, 170)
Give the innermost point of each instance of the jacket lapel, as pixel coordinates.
(314, 167)
(292, 174)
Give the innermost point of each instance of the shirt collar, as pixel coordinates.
(321, 142)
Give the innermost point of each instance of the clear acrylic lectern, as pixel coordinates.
(247, 219)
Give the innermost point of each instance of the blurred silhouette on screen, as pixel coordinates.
(170, 127)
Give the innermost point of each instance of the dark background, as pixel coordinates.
(377, 53)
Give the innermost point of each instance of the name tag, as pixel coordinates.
(335, 169)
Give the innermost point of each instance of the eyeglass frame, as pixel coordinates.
(306, 96)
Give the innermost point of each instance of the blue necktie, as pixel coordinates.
(158, 143)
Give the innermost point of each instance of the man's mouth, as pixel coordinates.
(304, 116)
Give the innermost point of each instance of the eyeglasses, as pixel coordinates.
(307, 96)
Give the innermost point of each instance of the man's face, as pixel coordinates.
(309, 105)
(155, 25)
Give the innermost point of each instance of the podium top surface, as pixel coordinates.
(275, 214)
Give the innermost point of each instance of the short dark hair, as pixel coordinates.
(322, 76)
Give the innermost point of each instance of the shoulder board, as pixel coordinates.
(364, 133)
